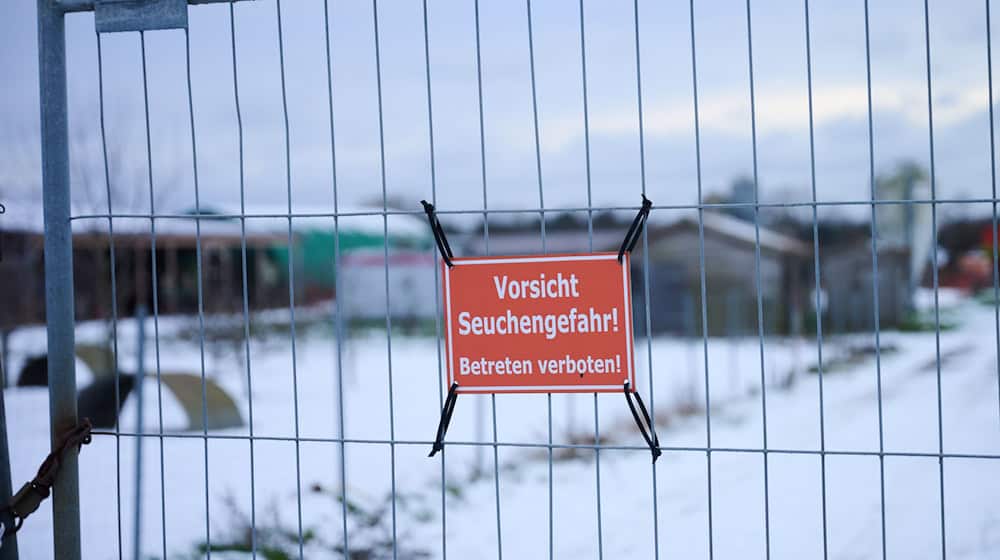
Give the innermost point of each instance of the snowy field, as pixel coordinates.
(640, 511)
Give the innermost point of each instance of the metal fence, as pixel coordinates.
(61, 321)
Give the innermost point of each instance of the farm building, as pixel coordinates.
(171, 247)
(846, 274)
(730, 277)
(674, 271)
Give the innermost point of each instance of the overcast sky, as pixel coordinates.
(899, 92)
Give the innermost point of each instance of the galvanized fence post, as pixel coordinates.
(59, 307)
(8, 543)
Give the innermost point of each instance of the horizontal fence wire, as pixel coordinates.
(485, 212)
(540, 210)
(645, 448)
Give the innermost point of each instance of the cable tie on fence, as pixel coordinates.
(632, 236)
(439, 237)
(647, 429)
(28, 499)
(449, 407)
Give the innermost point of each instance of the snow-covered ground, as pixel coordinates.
(642, 509)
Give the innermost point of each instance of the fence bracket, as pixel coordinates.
(646, 426)
(632, 235)
(112, 16)
(449, 408)
(439, 236)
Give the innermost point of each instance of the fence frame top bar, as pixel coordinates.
(72, 6)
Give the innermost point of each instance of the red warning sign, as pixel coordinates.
(539, 324)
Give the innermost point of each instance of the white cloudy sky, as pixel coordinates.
(899, 90)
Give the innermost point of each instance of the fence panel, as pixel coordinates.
(249, 458)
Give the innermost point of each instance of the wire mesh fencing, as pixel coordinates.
(289, 357)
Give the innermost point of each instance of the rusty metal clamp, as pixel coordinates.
(29, 498)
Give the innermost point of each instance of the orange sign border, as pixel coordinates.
(626, 266)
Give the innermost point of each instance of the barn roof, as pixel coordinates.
(222, 221)
(740, 231)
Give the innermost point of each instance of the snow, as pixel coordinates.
(923, 299)
(176, 512)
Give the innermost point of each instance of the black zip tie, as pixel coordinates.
(439, 237)
(653, 442)
(635, 229)
(449, 407)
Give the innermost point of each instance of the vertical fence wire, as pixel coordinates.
(541, 223)
(339, 331)
(200, 282)
(114, 287)
(154, 273)
(645, 253)
(702, 281)
(244, 285)
(590, 246)
(875, 280)
(385, 247)
(993, 191)
(486, 238)
(140, 374)
(437, 274)
(757, 274)
(291, 281)
(156, 303)
(934, 271)
(816, 275)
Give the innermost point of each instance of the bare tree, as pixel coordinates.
(108, 169)
(101, 164)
